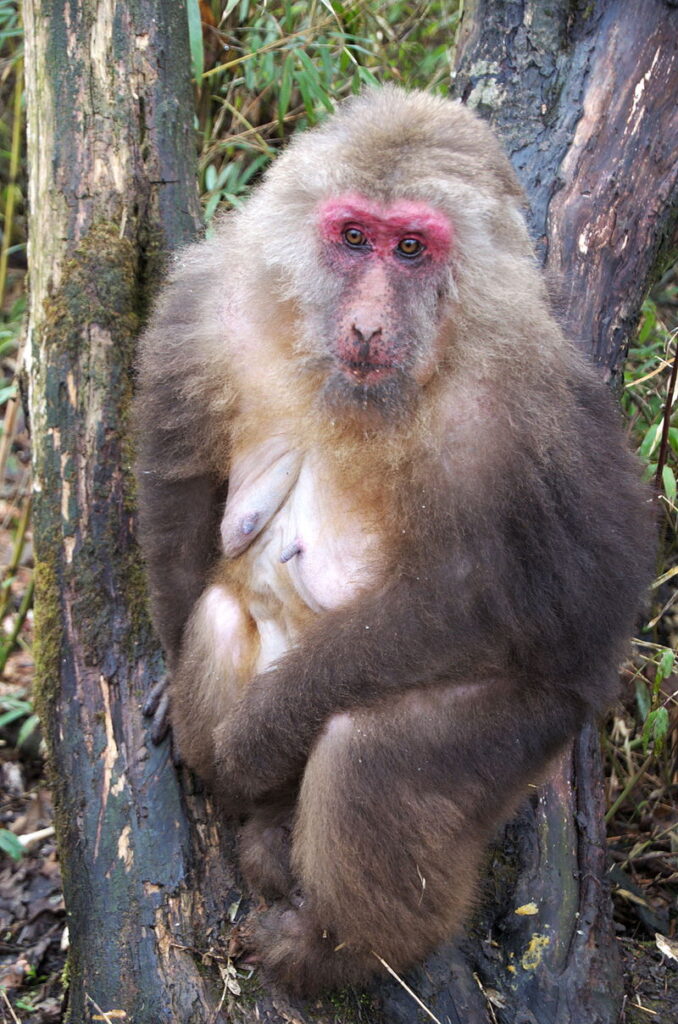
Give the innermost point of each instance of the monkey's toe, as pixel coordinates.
(304, 959)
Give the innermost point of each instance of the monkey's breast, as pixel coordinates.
(317, 543)
(311, 551)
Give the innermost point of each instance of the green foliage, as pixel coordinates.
(639, 758)
(272, 67)
(645, 394)
(652, 713)
(11, 132)
(10, 845)
(15, 708)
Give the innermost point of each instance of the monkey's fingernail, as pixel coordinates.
(291, 550)
(160, 723)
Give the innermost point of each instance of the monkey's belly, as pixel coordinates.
(310, 554)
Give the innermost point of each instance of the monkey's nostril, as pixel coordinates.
(363, 339)
(366, 334)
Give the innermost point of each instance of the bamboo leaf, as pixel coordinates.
(195, 38)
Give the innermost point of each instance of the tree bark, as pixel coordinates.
(112, 158)
(584, 94)
(584, 97)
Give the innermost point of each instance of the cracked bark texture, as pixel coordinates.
(112, 188)
(584, 96)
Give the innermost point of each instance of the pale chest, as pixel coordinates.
(299, 536)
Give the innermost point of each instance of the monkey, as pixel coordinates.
(394, 538)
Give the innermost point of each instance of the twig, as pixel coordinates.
(17, 551)
(653, 622)
(10, 1007)
(8, 428)
(645, 1009)
(628, 787)
(407, 988)
(487, 999)
(11, 412)
(277, 45)
(15, 157)
(31, 839)
(96, 1006)
(8, 645)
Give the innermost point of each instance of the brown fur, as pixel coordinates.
(474, 536)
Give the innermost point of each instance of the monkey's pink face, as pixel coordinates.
(392, 262)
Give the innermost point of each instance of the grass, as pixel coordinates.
(641, 738)
(262, 70)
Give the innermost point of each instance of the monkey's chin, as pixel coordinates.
(370, 396)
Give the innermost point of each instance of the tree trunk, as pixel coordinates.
(148, 872)
(112, 158)
(584, 97)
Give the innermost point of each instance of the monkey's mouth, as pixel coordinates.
(366, 371)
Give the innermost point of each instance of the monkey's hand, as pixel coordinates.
(258, 751)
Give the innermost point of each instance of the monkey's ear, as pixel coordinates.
(507, 179)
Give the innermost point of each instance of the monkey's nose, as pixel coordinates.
(363, 339)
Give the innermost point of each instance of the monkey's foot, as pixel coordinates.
(300, 956)
(156, 706)
(264, 851)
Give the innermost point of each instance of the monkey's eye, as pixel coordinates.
(355, 238)
(409, 247)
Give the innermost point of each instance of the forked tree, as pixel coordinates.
(584, 97)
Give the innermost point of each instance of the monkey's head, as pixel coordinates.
(385, 229)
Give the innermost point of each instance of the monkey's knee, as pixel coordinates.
(208, 679)
(339, 728)
(388, 866)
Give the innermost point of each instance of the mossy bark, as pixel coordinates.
(112, 190)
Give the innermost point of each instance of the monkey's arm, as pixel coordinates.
(180, 493)
(533, 583)
(179, 525)
(382, 644)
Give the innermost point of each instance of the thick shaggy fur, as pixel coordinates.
(506, 538)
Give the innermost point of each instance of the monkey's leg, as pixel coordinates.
(265, 848)
(218, 648)
(396, 806)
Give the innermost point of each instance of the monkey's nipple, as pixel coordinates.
(248, 523)
(292, 549)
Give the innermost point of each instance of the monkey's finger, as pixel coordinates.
(154, 696)
(160, 724)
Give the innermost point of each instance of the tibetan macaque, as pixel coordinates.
(395, 541)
